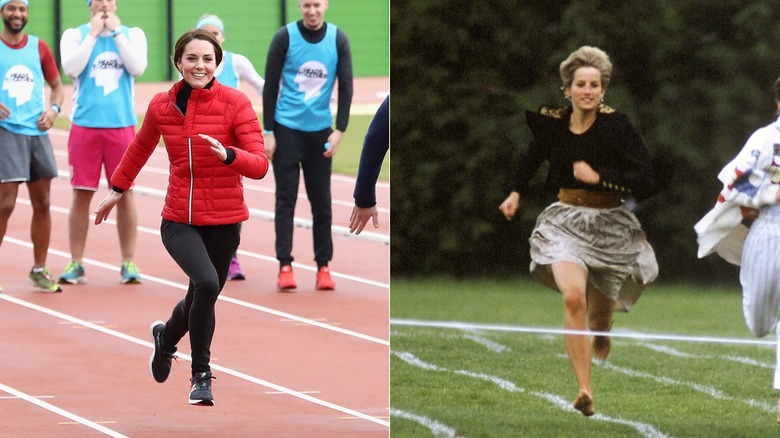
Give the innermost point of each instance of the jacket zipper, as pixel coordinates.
(192, 182)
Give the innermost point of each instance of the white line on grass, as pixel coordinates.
(704, 389)
(491, 345)
(546, 330)
(437, 429)
(59, 411)
(225, 370)
(678, 353)
(645, 429)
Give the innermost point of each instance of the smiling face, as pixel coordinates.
(313, 13)
(197, 63)
(586, 90)
(14, 17)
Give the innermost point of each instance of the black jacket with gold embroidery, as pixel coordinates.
(611, 146)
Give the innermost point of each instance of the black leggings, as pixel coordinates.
(203, 253)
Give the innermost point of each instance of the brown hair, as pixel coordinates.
(188, 37)
(586, 56)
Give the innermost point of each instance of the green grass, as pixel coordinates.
(671, 388)
(346, 160)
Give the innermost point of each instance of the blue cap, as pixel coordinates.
(5, 2)
(210, 19)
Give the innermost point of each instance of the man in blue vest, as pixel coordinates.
(103, 57)
(306, 59)
(26, 62)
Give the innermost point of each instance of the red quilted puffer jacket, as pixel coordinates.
(202, 190)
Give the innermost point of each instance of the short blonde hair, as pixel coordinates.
(586, 56)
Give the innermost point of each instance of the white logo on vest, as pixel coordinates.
(107, 69)
(311, 77)
(19, 82)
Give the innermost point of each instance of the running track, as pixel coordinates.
(307, 363)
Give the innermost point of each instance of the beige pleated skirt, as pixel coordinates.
(607, 242)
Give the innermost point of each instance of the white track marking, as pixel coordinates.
(437, 429)
(156, 232)
(221, 368)
(151, 278)
(644, 429)
(555, 331)
(59, 411)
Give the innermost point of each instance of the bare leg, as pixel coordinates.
(600, 318)
(78, 223)
(40, 226)
(127, 224)
(8, 192)
(571, 280)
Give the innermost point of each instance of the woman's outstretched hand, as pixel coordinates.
(105, 207)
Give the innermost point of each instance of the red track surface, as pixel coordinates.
(307, 363)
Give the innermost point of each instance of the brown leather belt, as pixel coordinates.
(589, 198)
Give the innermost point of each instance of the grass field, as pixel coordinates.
(701, 375)
(346, 160)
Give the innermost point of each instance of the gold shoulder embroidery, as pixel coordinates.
(557, 113)
(606, 109)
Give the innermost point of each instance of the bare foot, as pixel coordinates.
(584, 404)
(601, 347)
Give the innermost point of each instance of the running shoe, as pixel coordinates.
(74, 274)
(129, 273)
(200, 392)
(44, 281)
(324, 281)
(235, 273)
(160, 362)
(286, 280)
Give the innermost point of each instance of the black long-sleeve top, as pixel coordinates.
(611, 146)
(277, 52)
(375, 146)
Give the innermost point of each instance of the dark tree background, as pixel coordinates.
(695, 78)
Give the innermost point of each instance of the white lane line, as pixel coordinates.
(555, 331)
(156, 232)
(222, 297)
(437, 428)
(255, 213)
(645, 429)
(221, 368)
(59, 411)
(704, 389)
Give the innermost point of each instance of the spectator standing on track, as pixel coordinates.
(230, 72)
(103, 57)
(204, 203)
(375, 147)
(589, 246)
(744, 228)
(305, 59)
(26, 62)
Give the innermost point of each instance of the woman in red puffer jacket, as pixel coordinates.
(213, 138)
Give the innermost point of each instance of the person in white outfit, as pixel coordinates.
(744, 228)
(230, 72)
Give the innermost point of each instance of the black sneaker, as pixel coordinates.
(200, 393)
(160, 362)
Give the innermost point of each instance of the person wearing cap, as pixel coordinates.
(306, 59)
(103, 57)
(233, 68)
(26, 64)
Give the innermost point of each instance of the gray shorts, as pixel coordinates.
(26, 158)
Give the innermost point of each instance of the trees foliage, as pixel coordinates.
(694, 76)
